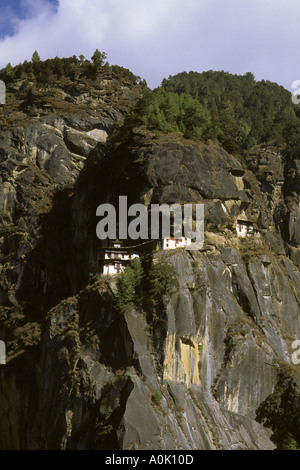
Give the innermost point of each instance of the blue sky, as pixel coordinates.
(12, 12)
(158, 38)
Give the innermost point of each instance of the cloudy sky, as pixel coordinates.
(158, 38)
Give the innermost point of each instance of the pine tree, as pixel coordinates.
(9, 71)
(125, 294)
(98, 59)
(129, 286)
(35, 57)
(162, 279)
(58, 67)
(138, 271)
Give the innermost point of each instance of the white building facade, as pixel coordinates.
(245, 228)
(170, 243)
(116, 259)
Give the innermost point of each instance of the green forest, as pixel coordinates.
(244, 112)
(235, 110)
(74, 68)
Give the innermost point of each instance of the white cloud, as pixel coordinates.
(65, 32)
(155, 38)
(83, 24)
(129, 27)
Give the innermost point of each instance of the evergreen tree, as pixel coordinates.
(125, 295)
(138, 271)
(98, 59)
(129, 286)
(162, 279)
(58, 67)
(243, 112)
(35, 57)
(9, 71)
(28, 67)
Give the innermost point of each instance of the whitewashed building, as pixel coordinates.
(117, 258)
(246, 228)
(171, 243)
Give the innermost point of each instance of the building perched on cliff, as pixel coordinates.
(117, 258)
(246, 228)
(171, 243)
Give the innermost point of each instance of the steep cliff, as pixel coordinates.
(208, 366)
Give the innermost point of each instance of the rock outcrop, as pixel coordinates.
(191, 372)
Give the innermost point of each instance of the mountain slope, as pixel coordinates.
(204, 367)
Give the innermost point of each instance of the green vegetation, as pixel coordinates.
(157, 397)
(162, 279)
(235, 110)
(244, 112)
(135, 287)
(164, 111)
(140, 159)
(281, 413)
(9, 71)
(46, 71)
(289, 443)
(129, 286)
(35, 57)
(102, 430)
(105, 426)
(98, 59)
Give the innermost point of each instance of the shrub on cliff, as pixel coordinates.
(162, 279)
(129, 286)
(281, 412)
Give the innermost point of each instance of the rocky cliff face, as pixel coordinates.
(193, 371)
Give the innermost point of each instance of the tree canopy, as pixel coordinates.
(129, 286)
(45, 71)
(35, 57)
(245, 112)
(166, 111)
(162, 279)
(236, 110)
